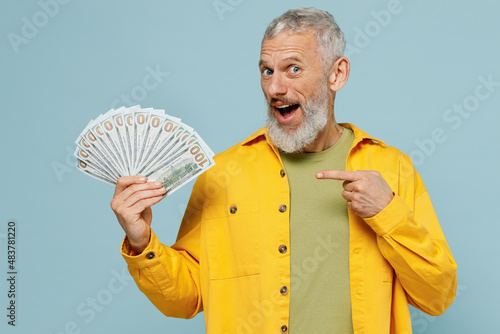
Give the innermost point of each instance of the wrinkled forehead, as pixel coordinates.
(290, 34)
(287, 43)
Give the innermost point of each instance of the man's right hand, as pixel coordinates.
(132, 203)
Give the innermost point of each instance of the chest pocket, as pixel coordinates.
(233, 239)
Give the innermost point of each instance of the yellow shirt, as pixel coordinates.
(231, 257)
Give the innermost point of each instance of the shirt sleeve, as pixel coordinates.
(170, 276)
(410, 237)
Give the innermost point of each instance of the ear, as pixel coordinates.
(339, 73)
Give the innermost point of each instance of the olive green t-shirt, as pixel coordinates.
(319, 242)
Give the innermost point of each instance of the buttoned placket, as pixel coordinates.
(282, 209)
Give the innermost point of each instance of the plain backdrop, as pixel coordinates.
(425, 77)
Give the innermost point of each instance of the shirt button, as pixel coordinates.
(282, 173)
(150, 255)
(282, 208)
(284, 290)
(282, 249)
(284, 329)
(233, 209)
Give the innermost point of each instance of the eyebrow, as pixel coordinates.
(294, 58)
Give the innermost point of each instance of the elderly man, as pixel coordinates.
(307, 226)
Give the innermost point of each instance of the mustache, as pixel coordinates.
(284, 100)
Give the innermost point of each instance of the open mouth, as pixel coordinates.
(286, 110)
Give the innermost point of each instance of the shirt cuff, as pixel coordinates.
(148, 255)
(391, 216)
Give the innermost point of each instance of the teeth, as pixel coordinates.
(284, 106)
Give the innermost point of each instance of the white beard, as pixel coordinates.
(293, 140)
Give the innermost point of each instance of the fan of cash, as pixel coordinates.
(136, 141)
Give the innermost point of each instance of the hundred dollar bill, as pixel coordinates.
(111, 131)
(187, 165)
(141, 121)
(128, 117)
(123, 143)
(108, 145)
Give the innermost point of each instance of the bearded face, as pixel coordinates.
(292, 138)
(296, 88)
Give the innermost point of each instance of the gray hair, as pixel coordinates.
(319, 23)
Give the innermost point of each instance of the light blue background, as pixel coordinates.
(413, 68)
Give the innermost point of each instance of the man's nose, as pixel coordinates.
(277, 87)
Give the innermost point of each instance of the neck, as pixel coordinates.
(327, 137)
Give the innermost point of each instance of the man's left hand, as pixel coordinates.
(366, 191)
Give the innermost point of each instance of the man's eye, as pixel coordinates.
(267, 72)
(294, 69)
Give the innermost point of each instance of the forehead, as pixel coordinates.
(289, 44)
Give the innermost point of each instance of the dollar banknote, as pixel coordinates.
(142, 141)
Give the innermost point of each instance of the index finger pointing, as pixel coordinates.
(336, 174)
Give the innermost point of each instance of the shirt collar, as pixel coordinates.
(359, 136)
